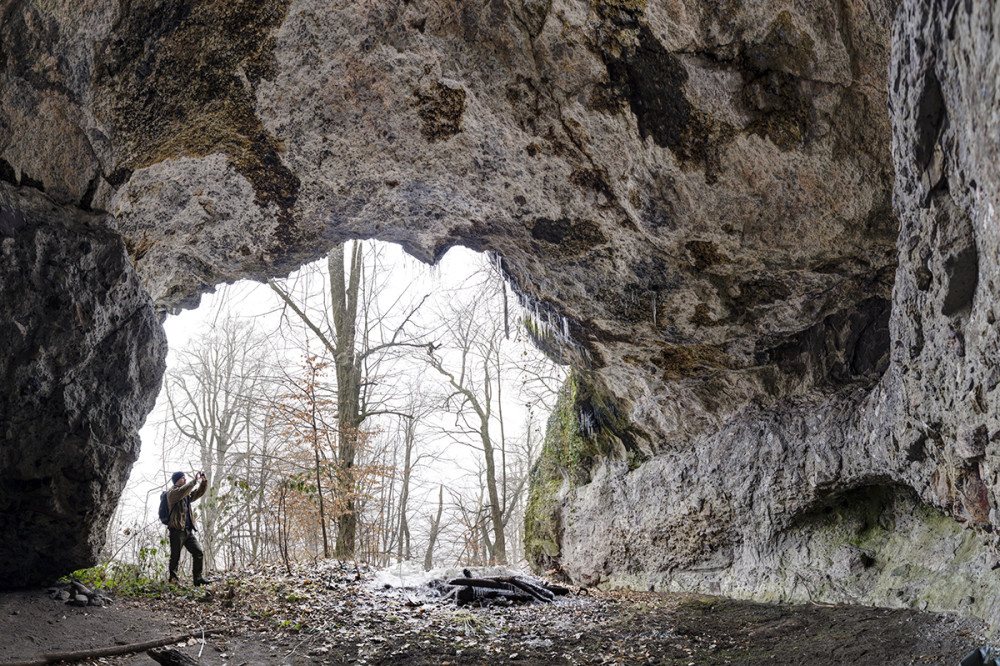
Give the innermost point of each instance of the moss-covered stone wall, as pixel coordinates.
(586, 428)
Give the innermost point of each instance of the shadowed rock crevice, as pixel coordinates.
(962, 274)
(931, 115)
(845, 347)
(652, 82)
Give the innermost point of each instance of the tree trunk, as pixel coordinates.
(346, 361)
(435, 528)
(403, 546)
(322, 508)
(499, 554)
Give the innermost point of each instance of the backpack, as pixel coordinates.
(165, 509)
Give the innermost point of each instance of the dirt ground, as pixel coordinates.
(335, 614)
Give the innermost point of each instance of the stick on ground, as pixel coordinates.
(54, 657)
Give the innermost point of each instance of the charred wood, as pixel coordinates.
(469, 594)
(513, 588)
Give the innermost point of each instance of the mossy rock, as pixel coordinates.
(585, 427)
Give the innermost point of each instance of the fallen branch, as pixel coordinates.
(490, 583)
(54, 657)
(536, 591)
(557, 590)
(512, 587)
(469, 594)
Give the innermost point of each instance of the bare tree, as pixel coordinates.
(527, 447)
(361, 339)
(403, 533)
(488, 368)
(417, 407)
(470, 360)
(435, 529)
(212, 397)
(358, 454)
(302, 412)
(253, 474)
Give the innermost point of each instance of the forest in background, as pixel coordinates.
(366, 407)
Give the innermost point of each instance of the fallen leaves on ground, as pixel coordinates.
(334, 612)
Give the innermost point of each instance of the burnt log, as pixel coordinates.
(469, 594)
(557, 590)
(491, 583)
(513, 588)
(536, 591)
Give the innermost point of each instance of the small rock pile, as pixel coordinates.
(75, 593)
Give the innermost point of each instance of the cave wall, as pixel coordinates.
(760, 508)
(706, 203)
(84, 357)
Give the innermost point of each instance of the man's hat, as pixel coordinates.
(175, 476)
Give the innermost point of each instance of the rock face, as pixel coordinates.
(777, 295)
(83, 363)
(844, 493)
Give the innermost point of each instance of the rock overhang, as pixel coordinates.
(701, 196)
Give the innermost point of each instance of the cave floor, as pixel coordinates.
(336, 615)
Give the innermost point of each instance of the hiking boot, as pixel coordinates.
(203, 581)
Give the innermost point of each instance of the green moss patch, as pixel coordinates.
(585, 427)
(542, 523)
(900, 552)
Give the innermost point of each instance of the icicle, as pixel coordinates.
(586, 421)
(506, 314)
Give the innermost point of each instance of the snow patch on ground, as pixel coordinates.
(412, 575)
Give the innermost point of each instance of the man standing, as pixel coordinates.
(181, 524)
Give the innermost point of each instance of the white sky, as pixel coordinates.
(255, 300)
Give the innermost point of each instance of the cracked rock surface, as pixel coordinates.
(83, 362)
(777, 295)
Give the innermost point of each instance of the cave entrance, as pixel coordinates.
(365, 407)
